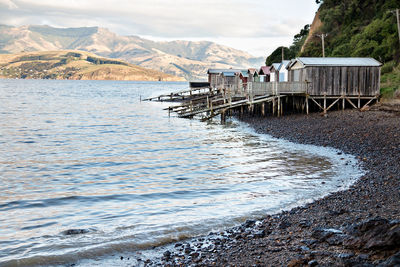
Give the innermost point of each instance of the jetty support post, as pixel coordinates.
(223, 116)
(273, 106)
(263, 109)
(307, 109)
(279, 106)
(343, 100)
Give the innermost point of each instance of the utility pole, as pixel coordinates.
(322, 36)
(283, 53)
(397, 13)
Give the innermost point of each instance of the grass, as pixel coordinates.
(390, 80)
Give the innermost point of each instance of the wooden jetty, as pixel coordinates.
(313, 84)
(196, 89)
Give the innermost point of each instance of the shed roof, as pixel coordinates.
(284, 64)
(336, 62)
(218, 71)
(229, 73)
(264, 70)
(276, 66)
(253, 71)
(244, 73)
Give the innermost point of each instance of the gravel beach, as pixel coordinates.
(356, 227)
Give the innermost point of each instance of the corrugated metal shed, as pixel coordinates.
(336, 62)
(337, 76)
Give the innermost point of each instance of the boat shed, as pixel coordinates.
(337, 76)
(274, 72)
(253, 75)
(216, 77)
(230, 78)
(264, 74)
(283, 72)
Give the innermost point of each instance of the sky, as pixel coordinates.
(257, 27)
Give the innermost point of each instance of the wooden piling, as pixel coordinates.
(307, 104)
(263, 109)
(279, 106)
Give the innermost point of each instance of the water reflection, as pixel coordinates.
(89, 155)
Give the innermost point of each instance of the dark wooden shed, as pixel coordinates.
(337, 76)
(216, 77)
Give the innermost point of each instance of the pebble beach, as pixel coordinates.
(356, 227)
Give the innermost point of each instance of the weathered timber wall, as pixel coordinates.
(334, 81)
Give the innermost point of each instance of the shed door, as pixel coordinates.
(296, 75)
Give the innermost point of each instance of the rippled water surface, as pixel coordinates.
(89, 155)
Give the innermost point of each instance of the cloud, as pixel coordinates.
(10, 4)
(207, 19)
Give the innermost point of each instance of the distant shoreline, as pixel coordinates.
(75, 65)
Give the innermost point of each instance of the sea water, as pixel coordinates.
(88, 170)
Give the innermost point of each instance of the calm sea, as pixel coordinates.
(88, 158)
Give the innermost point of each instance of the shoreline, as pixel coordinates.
(360, 225)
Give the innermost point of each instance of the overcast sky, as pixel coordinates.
(257, 27)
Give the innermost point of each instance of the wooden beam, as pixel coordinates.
(372, 99)
(316, 103)
(348, 99)
(333, 104)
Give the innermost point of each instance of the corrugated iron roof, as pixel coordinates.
(229, 73)
(218, 71)
(244, 73)
(264, 70)
(252, 71)
(284, 64)
(276, 65)
(337, 61)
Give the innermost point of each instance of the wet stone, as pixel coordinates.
(75, 231)
(345, 255)
(167, 255)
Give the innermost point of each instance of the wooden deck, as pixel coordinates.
(267, 97)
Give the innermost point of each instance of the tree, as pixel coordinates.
(276, 56)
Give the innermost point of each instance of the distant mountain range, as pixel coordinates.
(179, 58)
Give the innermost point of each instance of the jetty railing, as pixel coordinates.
(254, 89)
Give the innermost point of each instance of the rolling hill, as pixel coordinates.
(74, 65)
(180, 58)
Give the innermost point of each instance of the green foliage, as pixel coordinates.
(276, 56)
(358, 28)
(100, 61)
(388, 67)
(292, 51)
(73, 54)
(390, 81)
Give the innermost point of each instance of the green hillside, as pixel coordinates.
(354, 28)
(74, 65)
